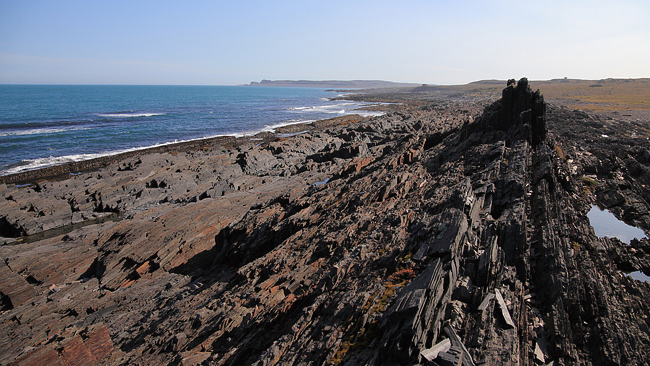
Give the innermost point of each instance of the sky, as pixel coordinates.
(236, 42)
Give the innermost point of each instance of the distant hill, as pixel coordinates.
(345, 84)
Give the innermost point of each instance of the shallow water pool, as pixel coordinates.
(639, 276)
(605, 224)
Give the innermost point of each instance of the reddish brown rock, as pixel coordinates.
(43, 356)
(75, 353)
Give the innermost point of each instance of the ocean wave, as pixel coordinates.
(335, 108)
(38, 131)
(369, 113)
(272, 128)
(33, 164)
(39, 163)
(340, 108)
(111, 119)
(129, 115)
(46, 124)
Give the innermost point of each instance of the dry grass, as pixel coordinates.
(589, 185)
(608, 94)
(598, 95)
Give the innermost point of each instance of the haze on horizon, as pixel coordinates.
(229, 43)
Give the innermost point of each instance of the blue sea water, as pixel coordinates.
(42, 125)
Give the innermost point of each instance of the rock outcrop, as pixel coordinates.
(430, 235)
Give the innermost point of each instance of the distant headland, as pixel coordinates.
(347, 84)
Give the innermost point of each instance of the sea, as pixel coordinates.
(44, 125)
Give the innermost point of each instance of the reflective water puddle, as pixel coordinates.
(605, 224)
(638, 275)
(322, 183)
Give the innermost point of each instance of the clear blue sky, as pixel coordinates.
(235, 42)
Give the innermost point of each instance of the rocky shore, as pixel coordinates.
(448, 231)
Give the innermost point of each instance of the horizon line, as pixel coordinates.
(321, 80)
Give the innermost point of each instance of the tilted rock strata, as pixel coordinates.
(366, 243)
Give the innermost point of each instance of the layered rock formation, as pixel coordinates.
(432, 235)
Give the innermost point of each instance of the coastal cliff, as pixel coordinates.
(444, 232)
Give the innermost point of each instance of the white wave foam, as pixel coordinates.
(34, 164)
(341, 108)
(129, 115)
(291, 134)
(39, 131)
(320, 108)
(368, 113)
(272, 128)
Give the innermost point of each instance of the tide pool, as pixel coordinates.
(605, 224)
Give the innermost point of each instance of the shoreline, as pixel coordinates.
(66, 169)
(101, 130)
